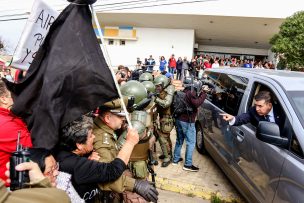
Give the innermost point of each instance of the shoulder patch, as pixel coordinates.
(106, 138)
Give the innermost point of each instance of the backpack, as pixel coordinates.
(179, 105)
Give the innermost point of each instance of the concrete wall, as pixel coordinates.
(233, 50)
(152, 41)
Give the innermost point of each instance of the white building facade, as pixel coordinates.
(150, 41)
(241, 29)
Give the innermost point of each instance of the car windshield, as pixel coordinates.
(297, 101)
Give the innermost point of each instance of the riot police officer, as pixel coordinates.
(165, 92)
(140, 120)
(152, 116)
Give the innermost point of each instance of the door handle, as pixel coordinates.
(240, 136)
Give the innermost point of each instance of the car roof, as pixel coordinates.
(289, 80)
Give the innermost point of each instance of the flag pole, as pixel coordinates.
(108, 60)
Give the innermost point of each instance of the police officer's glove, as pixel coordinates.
(146, 190)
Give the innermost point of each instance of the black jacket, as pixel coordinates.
(179, 65)
(251, 116)
(86, 174)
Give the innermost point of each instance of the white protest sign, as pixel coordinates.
(37, 26)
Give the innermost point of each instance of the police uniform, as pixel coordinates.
(141, 120)
(38, 192)
(138, 160)
(105, 146)
(163, 104)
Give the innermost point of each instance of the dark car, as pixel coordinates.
(264, 163)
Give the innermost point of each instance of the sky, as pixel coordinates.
(10, 31)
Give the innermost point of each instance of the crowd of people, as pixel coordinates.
(175, 67)
(98, 157)
(181, 66)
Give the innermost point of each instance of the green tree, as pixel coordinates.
(288, 44)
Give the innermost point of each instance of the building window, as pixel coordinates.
(111, 42)
(122, 42)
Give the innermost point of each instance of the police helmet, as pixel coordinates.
(161, 80)
(145, 77)
(135, 89)
(149, 86)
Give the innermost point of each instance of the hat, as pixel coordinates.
(169, 75)
(114, 107)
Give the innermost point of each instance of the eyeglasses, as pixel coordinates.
(51, 172)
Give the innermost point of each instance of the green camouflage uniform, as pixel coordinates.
(166, 124)
(140, 119)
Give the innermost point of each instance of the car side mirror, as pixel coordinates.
(270, 133)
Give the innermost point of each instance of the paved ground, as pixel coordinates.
(173, 197)
(209, 181)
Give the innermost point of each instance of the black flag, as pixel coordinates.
(68, 77)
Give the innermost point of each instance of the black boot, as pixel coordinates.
(165, 164)
(154, 162)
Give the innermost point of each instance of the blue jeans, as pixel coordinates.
(171, 70)
(186, 131)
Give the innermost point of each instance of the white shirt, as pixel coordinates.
(271, 116)
(215, 65)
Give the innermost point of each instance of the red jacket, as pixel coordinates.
(207, 65)
(172, 63)
(9, 127)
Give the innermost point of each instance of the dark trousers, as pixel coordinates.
(179, 74)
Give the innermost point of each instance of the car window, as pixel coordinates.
(234, 87)
(297, 101)
(227, 92)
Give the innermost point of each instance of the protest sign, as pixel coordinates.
(37, 26)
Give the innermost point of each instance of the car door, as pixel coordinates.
(291, 185)
(259, 164)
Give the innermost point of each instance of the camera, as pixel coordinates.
(21, 155)
(123, 75)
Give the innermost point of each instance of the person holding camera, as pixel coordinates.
(40, 188)
(185, 125)
(10, 126)
(122, 74)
